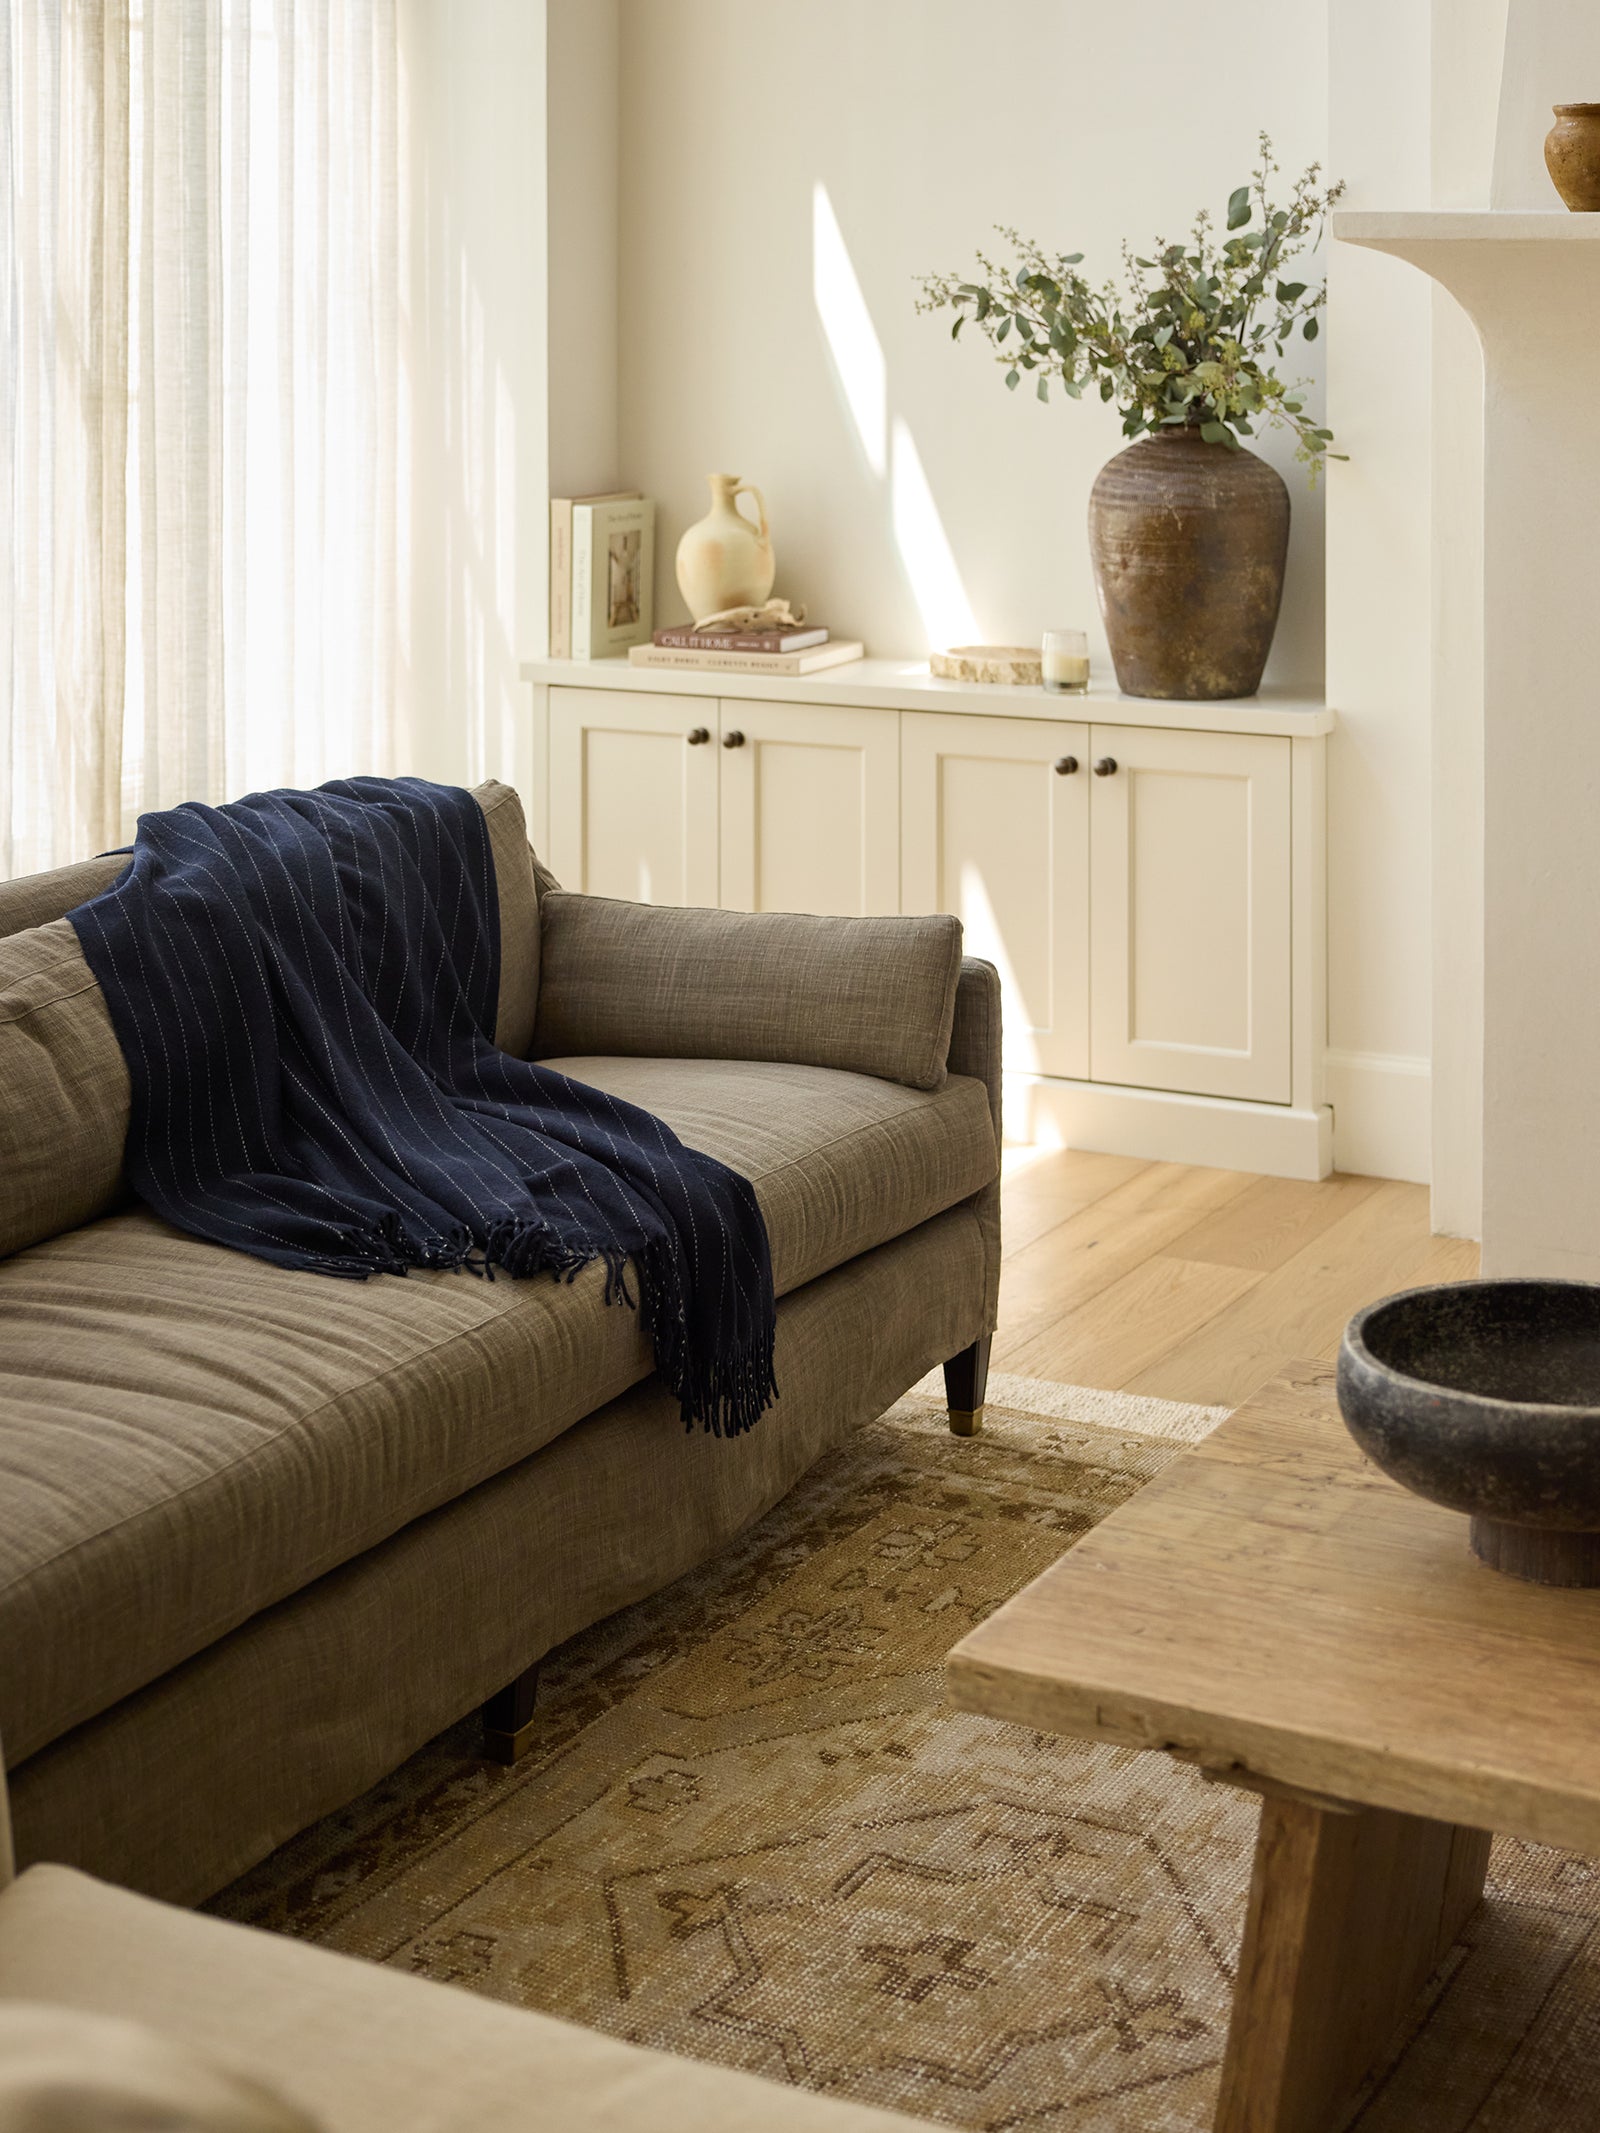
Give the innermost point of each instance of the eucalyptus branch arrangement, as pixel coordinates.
(1189, 339)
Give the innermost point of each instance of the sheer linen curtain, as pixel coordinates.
(203, 473)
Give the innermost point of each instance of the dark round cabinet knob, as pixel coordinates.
(699, 737)
(1106, 767)
(1066, 765)
(735, 739)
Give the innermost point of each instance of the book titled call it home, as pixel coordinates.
(613, 575)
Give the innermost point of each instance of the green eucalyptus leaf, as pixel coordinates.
(1239, 208)
(1290, 292)
(1011, 378)
(1310, 329)
(1214, 433)
(1044, 388)
(1005, 327)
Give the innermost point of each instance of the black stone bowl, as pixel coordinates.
(1484, 1396)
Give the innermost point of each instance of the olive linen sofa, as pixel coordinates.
(263, 1533)
(346, 2046)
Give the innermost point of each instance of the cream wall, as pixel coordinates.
(1380, 598)
(912, 497)
(473, 198)
(581, 95)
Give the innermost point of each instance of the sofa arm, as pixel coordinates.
(975, 1030)
(975, 1050)
(866, 995)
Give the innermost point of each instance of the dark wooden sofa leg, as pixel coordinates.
(508, 1718)
(966, 1379)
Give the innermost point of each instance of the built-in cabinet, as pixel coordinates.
(1190, 894)
(995, 827)
(633, 793)
(753, 806)
(1150, 893)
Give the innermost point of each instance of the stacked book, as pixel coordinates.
(602, 574)
(753, 651)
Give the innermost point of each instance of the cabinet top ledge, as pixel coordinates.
(906, 685)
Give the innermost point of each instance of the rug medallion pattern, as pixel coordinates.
(754, 1832)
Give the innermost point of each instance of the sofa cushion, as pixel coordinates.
(63, 1090)
(839, 1161)
(366, 2049)
(188, 1435)
(35, 899)
(867, 995)
(67, 2070)
(518, 896)
(63, 1083)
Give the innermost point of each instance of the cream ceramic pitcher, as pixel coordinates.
(724, 561)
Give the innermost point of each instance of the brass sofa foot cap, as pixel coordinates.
(508, 1748)
(965, 1421)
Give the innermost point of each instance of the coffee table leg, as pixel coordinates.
(1349, 1911)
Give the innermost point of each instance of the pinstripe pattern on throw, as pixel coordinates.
(304, 987)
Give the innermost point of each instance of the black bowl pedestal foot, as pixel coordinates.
(1540, 1554)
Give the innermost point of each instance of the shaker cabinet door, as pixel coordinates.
(810, 808)
(995, 829)
(1189, 911)
(633, 795)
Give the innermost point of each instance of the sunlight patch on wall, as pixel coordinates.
(925, 551)
(854, 345)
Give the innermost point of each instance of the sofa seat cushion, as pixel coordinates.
(365, 2049)
(188, 1435)
(839, 1161)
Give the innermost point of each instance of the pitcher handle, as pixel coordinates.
(748, 488)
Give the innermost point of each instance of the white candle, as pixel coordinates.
(1065, 661)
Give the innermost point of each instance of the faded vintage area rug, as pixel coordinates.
(753, 1832)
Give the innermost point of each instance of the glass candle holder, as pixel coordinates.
(1066, 662)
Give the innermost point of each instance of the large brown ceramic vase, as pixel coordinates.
(1188, 541)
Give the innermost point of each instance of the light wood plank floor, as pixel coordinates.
(1196, 1284)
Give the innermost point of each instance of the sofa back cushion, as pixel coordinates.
(63, 1083)
(519, 916)
(35, 899)
(63, 1090)
(865, 995)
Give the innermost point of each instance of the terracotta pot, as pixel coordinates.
(1572, 155)
(1188, 543)
(723, 560)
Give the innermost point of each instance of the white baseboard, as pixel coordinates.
(1272, 1138)
(1382, 1114)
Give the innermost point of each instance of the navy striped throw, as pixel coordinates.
(304, 987)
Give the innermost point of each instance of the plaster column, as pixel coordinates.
(1530, 282)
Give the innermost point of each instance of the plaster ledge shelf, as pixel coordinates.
(1411, 226)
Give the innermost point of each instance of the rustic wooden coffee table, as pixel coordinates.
(1274, 1610)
